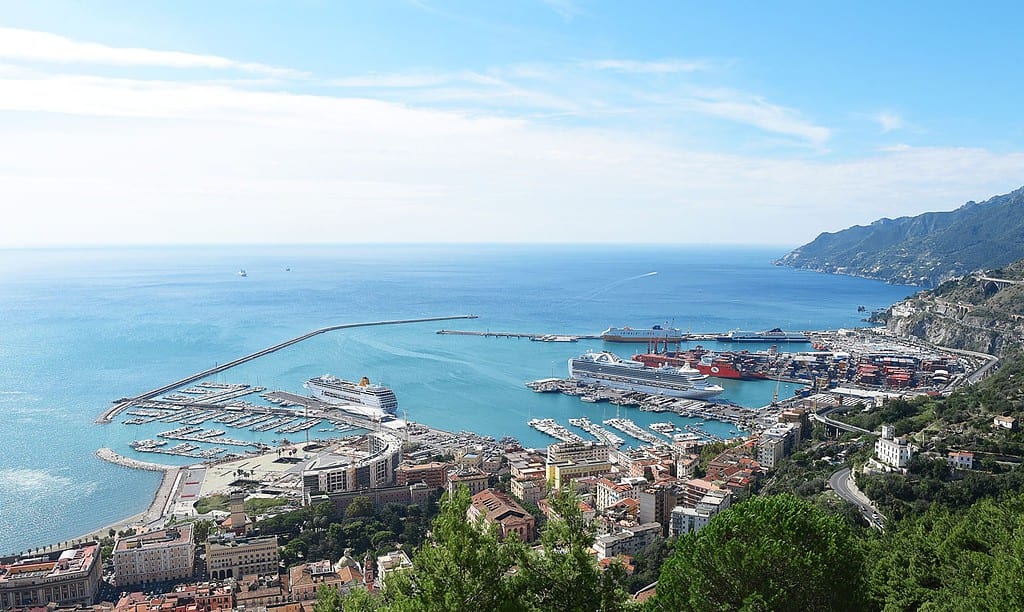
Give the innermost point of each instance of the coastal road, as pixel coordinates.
(843, 485)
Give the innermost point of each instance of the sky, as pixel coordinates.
(317, 121)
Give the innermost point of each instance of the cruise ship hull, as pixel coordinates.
(638, 339)
(774, 335)
(634, 385)
(656, 333)
(332, 390)
(610, 370)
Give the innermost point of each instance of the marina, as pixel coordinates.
(631, 429)
(553, 429)
(603, 435)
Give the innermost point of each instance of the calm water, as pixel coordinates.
(79, 328)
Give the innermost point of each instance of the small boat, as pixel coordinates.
(242, 272)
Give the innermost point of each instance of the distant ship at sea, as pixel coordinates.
(772, 335)
(610, 370)
(649, 334)
(242, 272)
(346, 394)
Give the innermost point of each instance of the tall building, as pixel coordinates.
(776, 443)
(156, 556)
(234, 557)
(657, 501)
(237, 507)
(687, 520)
(610, 493)
(69, 578)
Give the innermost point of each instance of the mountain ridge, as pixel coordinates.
(925, 249)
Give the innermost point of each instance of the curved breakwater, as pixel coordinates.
(113, 411)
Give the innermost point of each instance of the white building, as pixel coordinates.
(609, 493)
(961, 460)
(628, 541)
(390, 563)
(687, 520)
(893, 451)
(371, 468)
(529, 490)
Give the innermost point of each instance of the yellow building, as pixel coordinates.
(560, 473)
(233, 557)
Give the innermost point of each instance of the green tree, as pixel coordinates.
(967, 560)
(565, 576)
(462, 567)
(359, 507)
(328, 599)
(767, 553)
(201, 530)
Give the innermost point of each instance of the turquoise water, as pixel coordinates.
(80, 328)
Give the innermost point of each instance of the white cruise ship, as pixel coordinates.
(641, 334)
(772, 335)
(333, 390)
(610, 370)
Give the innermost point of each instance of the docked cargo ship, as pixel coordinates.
(738, 366)
(610, 370)
(772, 335)
(333, 390)
(655, 333)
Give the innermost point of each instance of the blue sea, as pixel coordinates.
(82, 327)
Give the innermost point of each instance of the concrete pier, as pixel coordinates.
(113, 411)
(520, 335)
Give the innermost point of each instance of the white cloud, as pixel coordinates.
(391, 81)
(31, 45)
(306, 169)
(115, 160)
(889, 121)
(755, 111)
(566, 9)
(668, 66)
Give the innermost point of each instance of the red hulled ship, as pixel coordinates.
(739, 365)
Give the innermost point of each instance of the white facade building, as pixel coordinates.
(687, 520)
(628, 541)
(892, 451)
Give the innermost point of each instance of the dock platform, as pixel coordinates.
(520, 335)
